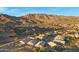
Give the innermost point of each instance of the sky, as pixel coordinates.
(20, 11)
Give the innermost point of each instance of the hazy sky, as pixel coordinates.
(19, 11)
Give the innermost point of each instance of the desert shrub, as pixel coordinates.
(34, 49)
(42, 50)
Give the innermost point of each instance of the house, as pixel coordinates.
(55, 32)
(22, 42)
(47, 33)
(40, 44)
(59, 39)
(70, 35)
(51, 44)
(31, 42)
(31, 38)
(76, 35)
(40, 36)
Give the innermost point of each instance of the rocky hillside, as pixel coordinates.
(39, 19)
(39, 32)
(49, 19)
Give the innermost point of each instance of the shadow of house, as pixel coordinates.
(48, 38)
(4, 40)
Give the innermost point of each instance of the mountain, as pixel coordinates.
(43, 30)
(4, 18)
(39, 19)
(49, 19)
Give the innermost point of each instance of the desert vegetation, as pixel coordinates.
(39, 33)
